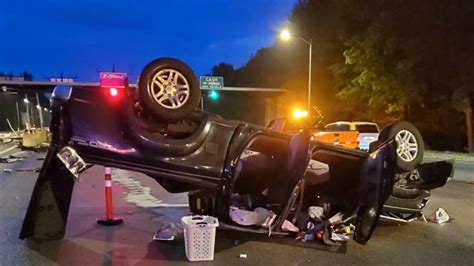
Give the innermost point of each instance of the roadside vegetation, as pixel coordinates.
(378, 61)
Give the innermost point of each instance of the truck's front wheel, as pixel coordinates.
(410, 146)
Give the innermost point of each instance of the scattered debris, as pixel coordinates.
(439, 216)
(315, 212)
(166, 233)
(248, 201)
(6, 140)
(73, 162)
(288, 226)
(36, 170)
(244, 217)
(35, 138)
(9, 124)
(242, 256)
(11, 159)
(259, 216)
(337, 218)
(342, 232)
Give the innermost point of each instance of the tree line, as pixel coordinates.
(377, 60)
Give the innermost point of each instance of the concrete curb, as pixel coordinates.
(449, 156)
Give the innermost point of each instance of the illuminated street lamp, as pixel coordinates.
(285, 35)
(25, 100)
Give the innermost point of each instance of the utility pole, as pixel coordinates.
(26, 101)
(40, 110)
(17, 116)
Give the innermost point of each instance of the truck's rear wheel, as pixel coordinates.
(168, 89)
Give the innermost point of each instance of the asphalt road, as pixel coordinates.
(463, 168)
(464, 171)
(145, 207)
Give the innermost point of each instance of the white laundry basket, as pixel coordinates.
(199, 237)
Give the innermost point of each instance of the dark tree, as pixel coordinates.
(377, 60)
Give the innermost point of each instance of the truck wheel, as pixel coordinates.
(168, 89)
(410, 146)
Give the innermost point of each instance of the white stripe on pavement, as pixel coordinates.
(18, 153)
(8, 149)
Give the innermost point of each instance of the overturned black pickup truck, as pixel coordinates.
(155, 129)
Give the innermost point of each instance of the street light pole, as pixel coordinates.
(286, 35)
(310, 63)
(40, 111)
(309, 73)
(18, 116)
(25, 100)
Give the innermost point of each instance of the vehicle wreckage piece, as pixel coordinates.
(47, 213)
(410, 193)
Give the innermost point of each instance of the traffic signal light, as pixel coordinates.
(214, 95)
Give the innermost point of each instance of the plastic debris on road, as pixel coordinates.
(288, 226)
(259, 216)
(342, 232)
(244, 217)
(167, 232)
(330, 231)
(439, 216)
(11, 159)
(336, 218)
(36, 170)
(315, 212)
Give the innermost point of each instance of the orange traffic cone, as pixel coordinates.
(109, 217)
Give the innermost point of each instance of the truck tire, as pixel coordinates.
(168, 89)
(410, 146)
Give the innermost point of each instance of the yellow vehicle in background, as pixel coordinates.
(345, 138)
(368, 131)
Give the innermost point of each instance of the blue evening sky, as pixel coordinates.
(80, 38)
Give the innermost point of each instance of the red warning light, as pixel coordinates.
(113, 92)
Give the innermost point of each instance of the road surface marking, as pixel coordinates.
(18, 153)
(8, 149)
(138, 194)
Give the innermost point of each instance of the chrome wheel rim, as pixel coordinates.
(407, 148)
(169, 88)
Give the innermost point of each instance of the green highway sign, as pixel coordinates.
(211, 83)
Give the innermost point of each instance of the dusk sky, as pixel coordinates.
(80, 38)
